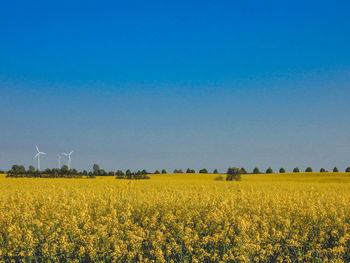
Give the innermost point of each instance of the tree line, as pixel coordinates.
(64, 172)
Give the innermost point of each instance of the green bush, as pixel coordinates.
(308, 170)
(269, 170)
(256, 170)
(219, 178)
(233, 174)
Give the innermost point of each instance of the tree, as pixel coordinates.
(102, 172)
(31, 170)
(85, 173)
(256, 170)
(335, 170)
(128, 172)
(96, 168)
(47, 171)
(164, 171)
(203, 171)
(14, 167)
(64, 170)
(322, 170)
(119, 173)
(269, 170)
(111, 173)
(215, 171)
(189, 171)
(347, 170)
(22, 169)
(243, 170)
(156, 172)
(178, 171)
(144, 171)
(282, 171)
(296, 170)
(233, 173)
(308, 170)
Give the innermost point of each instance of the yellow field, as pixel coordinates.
(177, 218)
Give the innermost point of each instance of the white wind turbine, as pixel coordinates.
(69, 159)
(38, 156)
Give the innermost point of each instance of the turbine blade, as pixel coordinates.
(36, 155)
(66, 154)
(37, 148)
(42, 153)
(71, 152)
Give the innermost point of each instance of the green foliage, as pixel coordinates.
(139, 175)
(119, 173)
(95, 168)
(233, 174)
(215, 171)
(335, 170)
(322, 170)
(164, 171)
(347, 170)
(190, 171)
(296, 170)
(219, 178)
(156, 172)
(243, 170)
(308, 170)
(178, 171)
(282, 171)
(256, 170)
(19, 171)
(203, 171)
(269, 170)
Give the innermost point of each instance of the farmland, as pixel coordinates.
(177, 218)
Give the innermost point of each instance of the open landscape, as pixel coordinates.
(301, 217)
(174, 131)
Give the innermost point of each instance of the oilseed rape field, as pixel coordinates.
(301, 217)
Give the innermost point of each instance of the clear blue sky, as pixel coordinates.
(176, 84)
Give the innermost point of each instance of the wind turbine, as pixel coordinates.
(69, 159)
(59, 161)
(38, 156)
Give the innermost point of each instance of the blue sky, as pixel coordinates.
(157, 84)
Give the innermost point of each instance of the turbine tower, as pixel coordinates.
(59, 161)
(69, 158)
(38, 156)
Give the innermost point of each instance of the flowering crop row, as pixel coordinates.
(83, 220)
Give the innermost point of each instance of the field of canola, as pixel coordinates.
(177, 218)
